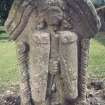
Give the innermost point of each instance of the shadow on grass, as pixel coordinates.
(3, 38)
(100, 38)
(2, 31)
(3, 35)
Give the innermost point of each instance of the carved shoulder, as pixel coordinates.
(18, 17)
(84, 16)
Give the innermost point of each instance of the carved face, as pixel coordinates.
(21, 11)
(84, 17)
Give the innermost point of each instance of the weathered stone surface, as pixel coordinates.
(10, 98)
(39, 61)
(96, 92)
(101, 13)
(52, 38)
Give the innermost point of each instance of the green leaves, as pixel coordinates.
(5, 6)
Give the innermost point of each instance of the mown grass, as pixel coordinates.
(8, 64)
(97, 57)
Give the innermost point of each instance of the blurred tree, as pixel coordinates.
(100, 7)
(98, 3)
(5, 6)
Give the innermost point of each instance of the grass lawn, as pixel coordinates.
(8, 67)
(97, 57)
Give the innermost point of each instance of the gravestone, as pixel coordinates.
(52, 38)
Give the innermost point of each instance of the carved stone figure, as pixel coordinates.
(52, 38)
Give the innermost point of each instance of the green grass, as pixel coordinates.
(97, 57)
(8, 63)
(8, 66)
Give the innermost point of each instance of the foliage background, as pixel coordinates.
(5, 6)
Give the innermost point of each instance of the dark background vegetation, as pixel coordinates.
(5, 6)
